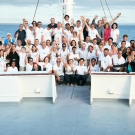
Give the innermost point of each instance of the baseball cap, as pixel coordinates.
(30, 25)
(8, 34)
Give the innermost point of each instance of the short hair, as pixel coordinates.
(81, 59)
(73, 47)
(23, 48)
(114, 24)
(94, 39)
(125, 35)
(72, 27)
(66, 16)
(78, 21)
(30, 58)
(49, 26)
(123, 42)
(106, 49)
(132, 40)
(92, 24)
(36, 39)
(67, 24)
(39, 22)
(110, 38)
(75, 32)
(93, 59)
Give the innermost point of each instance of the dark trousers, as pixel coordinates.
(80, 78)
(69, 78)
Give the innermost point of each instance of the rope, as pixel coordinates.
(103, 8)
(36, 10)
(108, 9)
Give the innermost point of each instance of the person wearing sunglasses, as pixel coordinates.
(58, 70)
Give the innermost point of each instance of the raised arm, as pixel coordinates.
(94, 19)
(113, 20)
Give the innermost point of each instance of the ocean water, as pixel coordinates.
(124, 29)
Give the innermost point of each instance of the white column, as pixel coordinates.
(69, 8)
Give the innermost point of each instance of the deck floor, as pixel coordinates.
(70, 115)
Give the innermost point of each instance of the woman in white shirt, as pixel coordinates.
(115, 33)
(13, 68)
(54, 55)
(34, 54)
(73, 44)
(46, 65)
(69, 73)
(2, 61)
(81, 73)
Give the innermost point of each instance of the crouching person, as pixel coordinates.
(81, 73)
(58, 70)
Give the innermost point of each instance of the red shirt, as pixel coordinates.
(107, 34)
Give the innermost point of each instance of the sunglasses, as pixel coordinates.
(63, 46)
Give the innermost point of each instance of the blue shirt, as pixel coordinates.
(6, 41)
(129, 68)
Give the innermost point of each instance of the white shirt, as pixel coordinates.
(47, 34)
(59, 69)
(53, 59)
(48, 66)
(18, 48)
(105, 61)
(44, 52)
(127, 44)
(83, 54)
(28, 47)
(88, 44)
(114, 34)
(92, 33)
(22, 59)
(29, 67)
(95, 47)
(95, 68)
(65, 22)
(91, 55)
(108, 47)
(39, 33)
(11, 69)
(117, 61)
(34, 55)
(30, 35)
(58, 35)
(69, 70)
(72, 56)
(81, 70)
(77, 29)
(64, 53)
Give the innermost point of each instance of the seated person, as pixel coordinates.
(58, 70)
(36, 67)
(81, 73)
(69, 73)
(13, 68)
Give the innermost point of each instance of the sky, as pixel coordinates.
(13, 11)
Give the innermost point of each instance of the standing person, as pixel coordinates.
(13, 56)
(105, 61)
(115, 33)
(53, 25)
(99, 27)
(107, 32)
(118, 60)
(30, 33)
(2, 61)
(128, 52)
(38, 46)
(123, 47)
(92, 32)
(109, 44)
(38, 31)
(47, 33)
(85, 30)
(9, 39)
(66, 20)
(58, 70)
(69, 73)
(19, 45)
(87, 42)
(20, 34)
(13, 67)
(125, 38)
(22, 59)
(81, 73)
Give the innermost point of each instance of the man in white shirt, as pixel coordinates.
(87, 42)
(105, 61)
(30, 33)
(13, 68)
(28, 46)
(58, 33)
(83, 53)
(125, 38)
(109, 44)
(58, 70)
(81, 73)
(47, 33)
(38, 46)
(118, 60)
(19, 45)
(43, 52)
(38, 31)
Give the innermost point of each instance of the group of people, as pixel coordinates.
(71, 50)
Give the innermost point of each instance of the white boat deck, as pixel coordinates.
(70, 115)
